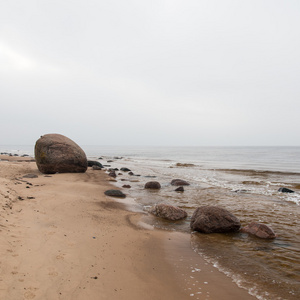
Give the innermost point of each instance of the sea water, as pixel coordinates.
(245, 181)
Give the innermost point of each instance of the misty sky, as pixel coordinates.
(167, 73)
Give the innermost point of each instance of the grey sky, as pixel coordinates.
(153, 72)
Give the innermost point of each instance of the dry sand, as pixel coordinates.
(62, 238)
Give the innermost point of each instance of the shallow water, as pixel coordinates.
(243, 180)
(268, 269)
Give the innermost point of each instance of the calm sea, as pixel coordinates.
(244, 180)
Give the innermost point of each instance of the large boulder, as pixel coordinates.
(178, 182)
(260, 230)
(154, 185)
(168, 212)
(55, 153)
(210, 219)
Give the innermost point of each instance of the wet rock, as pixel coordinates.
(260, 230)
(115, 193)
(178, 182)
(126, 186)
(180, 189)
(92, 163)
(210, 219)
(168, 212)
(125, 169)
(285, 190)
(112, 173)
(30, 176)
(55, 153)
(130, 173)
(155, 185)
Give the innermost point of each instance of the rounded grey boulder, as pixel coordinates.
(55, 153)
(210, 219)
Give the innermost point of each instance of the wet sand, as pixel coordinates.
(62, 238)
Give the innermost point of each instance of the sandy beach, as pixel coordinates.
(62, 238)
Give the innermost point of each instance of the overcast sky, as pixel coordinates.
(174, 72)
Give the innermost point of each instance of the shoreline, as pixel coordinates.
(66, 240)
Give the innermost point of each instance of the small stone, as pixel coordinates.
(153, 185)
(178, 182)
(115, 193)
(285, 190)
(180, 189)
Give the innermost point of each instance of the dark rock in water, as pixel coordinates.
(125, 169)
(110, 161)
(180, 189)
(285, 190)
(153, 185)
(96, 167)
(259, 230)
(178, 182)
(168, 212)
(94, 163)
(24, 155)
(55, 153)
(150, 176)
(126, 186)
(210, 219)
(130, 173)
(114, 193)
(30, 176)
(116, 169)
(112, 173)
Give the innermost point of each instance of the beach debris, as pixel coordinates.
(178, 182)
(92, 163)
(55, 153)
(211, 219)
(112, 179)
(125, 169)
(126, 186)
(179, 189)
(184, 165)
(285, 190)
(30, 176)
(259, 230)
(154, 185)
(115, 193)
(168, 212)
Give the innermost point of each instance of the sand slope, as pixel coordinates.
(61, 238)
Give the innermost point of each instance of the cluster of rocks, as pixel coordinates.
(55, 153)
(212, 219)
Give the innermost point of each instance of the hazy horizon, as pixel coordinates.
(160, 73)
